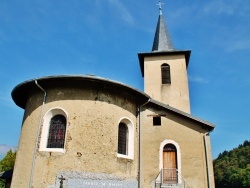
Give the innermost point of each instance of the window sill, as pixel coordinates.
(124, 156)
(52, 151)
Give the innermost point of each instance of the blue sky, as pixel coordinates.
(102, 37)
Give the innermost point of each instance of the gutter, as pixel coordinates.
(207, 160)
(139, 162)
(37, 135)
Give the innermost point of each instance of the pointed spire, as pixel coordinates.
(162, 40)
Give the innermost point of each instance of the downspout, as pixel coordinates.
(37, 135)
(139, 164)
(206, 157)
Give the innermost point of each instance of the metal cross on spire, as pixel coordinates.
(160, 6)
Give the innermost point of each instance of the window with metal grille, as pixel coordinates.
(122, 139)
(57, 130)
(165, 74)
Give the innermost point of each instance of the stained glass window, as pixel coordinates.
(57, 130)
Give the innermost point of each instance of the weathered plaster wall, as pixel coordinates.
(94, 112)
(175, 94)
(26, 144)
(186, 134)
(91, 138)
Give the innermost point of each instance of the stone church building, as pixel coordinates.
(87, 131)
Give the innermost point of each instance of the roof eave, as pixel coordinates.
(209, 126)
(21, 91)
(142, 55)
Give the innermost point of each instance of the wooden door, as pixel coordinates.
(169, 164)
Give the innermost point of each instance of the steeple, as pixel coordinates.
(165, 69)
(162, 41)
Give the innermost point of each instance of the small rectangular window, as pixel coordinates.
(157, 121)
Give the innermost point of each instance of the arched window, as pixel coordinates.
(57, 131)
(123, 139)
(54, 129)
(165, 74)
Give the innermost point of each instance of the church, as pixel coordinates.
(87, 131)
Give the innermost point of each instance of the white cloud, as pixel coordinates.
(198, 79)
(183, 12)
(243, 44)
(124, 13)
(219, 7)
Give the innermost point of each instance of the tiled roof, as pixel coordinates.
(162, 40)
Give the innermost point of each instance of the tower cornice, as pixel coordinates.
(142, 56)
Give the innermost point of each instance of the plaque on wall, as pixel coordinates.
(78, 179)
(87, 183)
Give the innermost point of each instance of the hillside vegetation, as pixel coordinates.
(232, 168)
(7, 163)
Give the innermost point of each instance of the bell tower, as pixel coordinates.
(165, 69)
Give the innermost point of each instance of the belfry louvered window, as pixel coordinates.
(122, 139)
(57, 131)
(165, 74)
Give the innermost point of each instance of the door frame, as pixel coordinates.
(178, 153)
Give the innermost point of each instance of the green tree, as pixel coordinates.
(7, 163)
(232, 168)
